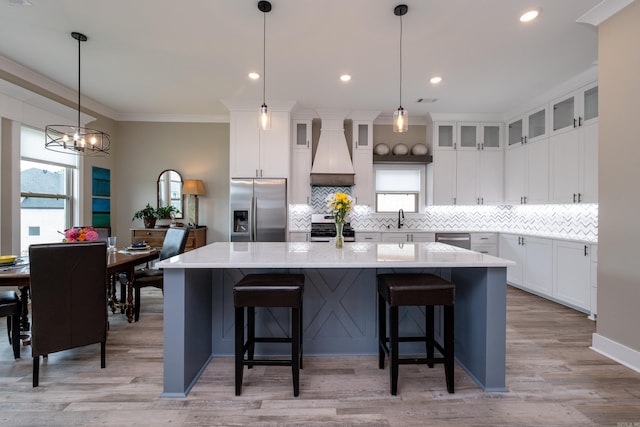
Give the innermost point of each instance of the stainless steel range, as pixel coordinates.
(323, 229)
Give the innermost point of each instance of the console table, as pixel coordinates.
(155, 236)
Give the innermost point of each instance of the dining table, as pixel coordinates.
(121, 261)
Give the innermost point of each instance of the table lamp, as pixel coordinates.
(192, 188)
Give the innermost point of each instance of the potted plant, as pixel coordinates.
(148, 215)
(166, 211)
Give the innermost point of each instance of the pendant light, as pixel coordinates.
(264, 115)
(77, 139)
(400, 116)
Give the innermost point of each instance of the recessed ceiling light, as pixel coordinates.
(254, 76)
(435, 80)
(345, 77)
(529, 15)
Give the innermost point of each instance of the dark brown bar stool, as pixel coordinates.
(415, 289)
(268, 290)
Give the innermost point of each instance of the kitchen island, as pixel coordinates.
(339, 302)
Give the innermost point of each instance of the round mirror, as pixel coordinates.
(170, 191)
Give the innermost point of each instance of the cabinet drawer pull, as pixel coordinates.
(586, 250)
(575, 123)
(574, 197)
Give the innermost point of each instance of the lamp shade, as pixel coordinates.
(193, 186)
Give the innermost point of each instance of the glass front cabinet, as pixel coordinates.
(575, 109)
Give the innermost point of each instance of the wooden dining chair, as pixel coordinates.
(68, 298)
(175, 240)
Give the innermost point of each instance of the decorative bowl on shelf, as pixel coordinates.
(381, 149)
(400, 150)
(419, 150)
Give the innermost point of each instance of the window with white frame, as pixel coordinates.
(47, 190)
(399, 186)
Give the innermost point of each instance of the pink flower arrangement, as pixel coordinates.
(77, 234)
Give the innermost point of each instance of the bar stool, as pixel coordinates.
(415, 289)
(11, 307)
(267, 290)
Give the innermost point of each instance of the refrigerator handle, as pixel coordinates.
(253, 236)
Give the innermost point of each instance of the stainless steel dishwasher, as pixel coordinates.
(461, 240)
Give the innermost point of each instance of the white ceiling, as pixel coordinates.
(151, 58)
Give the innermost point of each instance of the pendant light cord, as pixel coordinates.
(264, 57)
(400, 61)
(79, 43)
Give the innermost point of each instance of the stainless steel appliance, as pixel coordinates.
(258, 210)
(461, 240)
(323, 229)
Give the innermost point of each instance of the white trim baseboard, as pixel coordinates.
(615, 351)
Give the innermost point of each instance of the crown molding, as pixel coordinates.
(603, 11)
(172, 118)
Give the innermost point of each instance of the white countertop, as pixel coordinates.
(325, 255)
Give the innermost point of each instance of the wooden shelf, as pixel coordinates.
(408, 158)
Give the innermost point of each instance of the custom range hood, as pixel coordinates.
(332, 164)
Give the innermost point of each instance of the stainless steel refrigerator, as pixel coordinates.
(258, 209)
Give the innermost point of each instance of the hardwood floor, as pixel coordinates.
(552, 376)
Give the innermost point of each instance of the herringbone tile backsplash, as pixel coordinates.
(575, 221)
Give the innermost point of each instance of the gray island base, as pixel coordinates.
(339, 303)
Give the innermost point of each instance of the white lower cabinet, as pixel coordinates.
(572, 273)
(404, 237)
(368, 236)
(557, 269)
(533, 257)
(594, 282)
(485, 243)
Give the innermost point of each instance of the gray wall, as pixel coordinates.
(195, 150)
(619, 153)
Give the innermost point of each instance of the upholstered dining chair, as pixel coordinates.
(68, 298)
(11, 307)
(173, 244)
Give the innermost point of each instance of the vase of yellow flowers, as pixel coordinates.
(339, 205)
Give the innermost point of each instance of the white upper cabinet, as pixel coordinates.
(575, 109)
(256, 153)
(445, 136)
(468, 163)
(527, 158)
(363, 162)
(573, 147)
(527, 128)
(444, 177)
(479, 164)
(574, 165)
(300, 182)
(479, 136)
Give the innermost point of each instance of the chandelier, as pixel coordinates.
(77, 139)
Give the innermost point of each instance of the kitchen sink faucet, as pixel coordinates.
(400, 218)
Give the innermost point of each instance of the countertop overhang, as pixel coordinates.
(326, 255)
